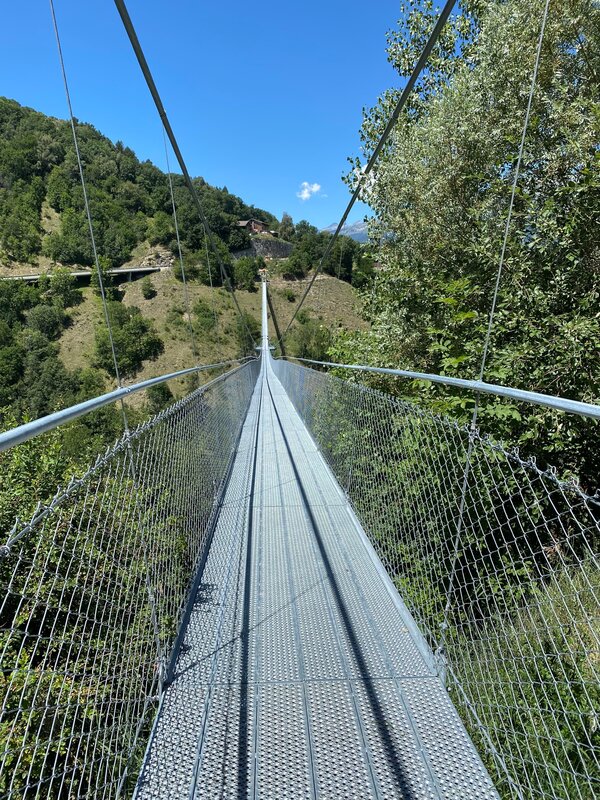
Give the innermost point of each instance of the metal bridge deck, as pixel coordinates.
(298, 677)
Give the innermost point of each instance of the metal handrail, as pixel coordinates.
(27, 431)
(536, 398)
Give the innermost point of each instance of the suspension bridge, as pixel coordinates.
(301, 673)
(212, 609)
(288, 584)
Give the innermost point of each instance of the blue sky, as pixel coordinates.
(264, 98)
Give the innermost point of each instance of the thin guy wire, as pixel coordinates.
(210, 282)
(419, 66)
(139, 53)
(132, 466)
(514, 188)
(180, 253)
(473, 424)
(85, 198)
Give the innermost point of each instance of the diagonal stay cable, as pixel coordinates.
(139, 53)
(418, 68)
(210, 282)
(485, 349)
(186, 295)
(275, 323)
(131, 460)
(86, 201)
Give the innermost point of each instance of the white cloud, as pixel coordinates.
(307, 190)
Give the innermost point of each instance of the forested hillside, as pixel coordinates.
(441, 195)
(42, 220)
(129, 199)
(54, 348)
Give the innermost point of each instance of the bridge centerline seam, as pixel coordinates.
(355, 648)
(295, 621)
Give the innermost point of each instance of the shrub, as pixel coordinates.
(135, 340)
(48, 320)
(245, 272)
(205, 316)
(247, 332)
(309, 338)
(159, 397)
(175, 316)
(148, 290)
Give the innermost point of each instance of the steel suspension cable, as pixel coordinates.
(418, 68)
(513, 193)
(473, 425)
(186, 296)
(86, 202)
(141, 58)
(210, 282)
(275, 323)
(133, 472)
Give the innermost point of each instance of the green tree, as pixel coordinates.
(245, 273)
(363, 270)
(239, 239)
(105, 277)
(20, 225)
(12, 358)
(134, 338)
(309, 338)
(161, 229)
(47, 319)
(62, 288)
(71, 244)
(59, 190)
(286, 228)
(441, 194)
(148, 290)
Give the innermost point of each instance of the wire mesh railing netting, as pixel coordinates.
(498, 563)
(94, 588)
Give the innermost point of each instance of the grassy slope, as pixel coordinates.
(332, 301)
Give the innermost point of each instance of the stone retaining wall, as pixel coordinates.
(267, 248)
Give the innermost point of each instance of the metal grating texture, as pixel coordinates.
(301, 674)
(94, 588)
(498, 563)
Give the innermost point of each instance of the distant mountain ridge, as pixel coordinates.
(356, 230)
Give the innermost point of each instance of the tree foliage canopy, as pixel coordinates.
(441, 194)
(134, 338)
(129, 199)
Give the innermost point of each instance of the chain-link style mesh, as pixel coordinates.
(94, 589)
(498, 563)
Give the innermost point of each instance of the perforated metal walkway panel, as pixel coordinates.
(300, 675)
